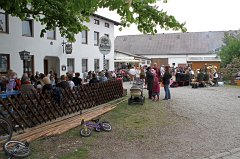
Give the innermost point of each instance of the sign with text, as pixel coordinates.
(104, 45)
(68, 48)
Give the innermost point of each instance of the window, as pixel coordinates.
(96, 21)
(3, 22)
(51, 34)
(107, 65)
(106, 35)
(27, 28)
(70, 65)
(84, 37)
(143, 62)
(107, 25)
(28, 65)
(148, 62)
(96, 38)
(96, 65)
(4, 63)
(84, 65)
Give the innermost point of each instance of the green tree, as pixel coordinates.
(69, 15)
(231, 49)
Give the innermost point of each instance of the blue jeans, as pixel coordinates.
(167, 92)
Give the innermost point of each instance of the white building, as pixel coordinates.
(175, 49)
(47, 52)
(121, 58)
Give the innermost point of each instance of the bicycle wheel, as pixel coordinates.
(16, 149)
(85, 132)
(98, 129)
(106, 126)
(5, 130)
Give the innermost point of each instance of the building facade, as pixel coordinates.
(52, 52)
(175, 49)
(124, 58)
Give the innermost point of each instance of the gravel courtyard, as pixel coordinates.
(209, 123)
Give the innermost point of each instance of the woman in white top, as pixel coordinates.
(132, 73)
(137, 74)
(70, 82)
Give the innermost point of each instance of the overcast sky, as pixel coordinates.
(199, 15)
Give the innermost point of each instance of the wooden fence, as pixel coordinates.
(29, 110)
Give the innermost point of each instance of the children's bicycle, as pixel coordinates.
(16, 149)
(5, 130)
(13, 149)
(88, 126)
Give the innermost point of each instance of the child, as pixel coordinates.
(155, 88)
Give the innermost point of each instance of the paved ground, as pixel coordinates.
(214, 113)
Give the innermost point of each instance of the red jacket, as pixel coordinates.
(156, 85)
(158, 73)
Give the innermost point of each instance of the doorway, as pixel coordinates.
(51, 63)
(46, 67)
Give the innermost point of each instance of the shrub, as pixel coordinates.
(231, 69)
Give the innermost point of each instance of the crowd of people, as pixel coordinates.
(153, 76)
(43, 82)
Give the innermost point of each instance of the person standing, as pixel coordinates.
(132, 74)
(52, 80)
(149, 82)
(156, 88)
(158, 72)
(85, 77)
(215, 78)
(166, 81)
(142, 74)
(37, 76)
(137, 76)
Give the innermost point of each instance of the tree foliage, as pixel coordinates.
(231, 49)
(69, 15)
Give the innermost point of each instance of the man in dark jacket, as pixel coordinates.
(63, 84)
(166, 81)
(94, 79)
(77, 81)
(149, 82)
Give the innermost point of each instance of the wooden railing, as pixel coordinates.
(29, 110)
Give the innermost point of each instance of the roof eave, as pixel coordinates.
(130, 54)
(107, 19)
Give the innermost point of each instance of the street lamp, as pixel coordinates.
(25, 55)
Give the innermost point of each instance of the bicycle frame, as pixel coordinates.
(91, 124)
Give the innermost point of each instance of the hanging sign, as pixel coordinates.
(104, 45)
(68, 48)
